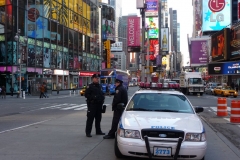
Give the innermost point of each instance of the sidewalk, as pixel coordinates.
(62, 93)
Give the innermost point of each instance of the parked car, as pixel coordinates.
(209, 90)
(160, 124)
(225, 91)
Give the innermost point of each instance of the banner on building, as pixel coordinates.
(225, 68)
(117, 46)
(216, 15)
(133, 32)
(198, 16)
(220, 46)
(199, 53)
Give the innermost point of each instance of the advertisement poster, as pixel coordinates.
(152, 8)
(235, 42)
(199, 52)
(219, 45)
(59, 60)
(151, 22)
(133, 31)
(53, 58)
(227, 68)
(39, 56)
(31, 56)
(216, 15)
(46, 58)
(108, 29)
(165, 39)
(66, 60)
(3, 54)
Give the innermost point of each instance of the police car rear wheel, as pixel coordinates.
(202, 158)
(118, 154)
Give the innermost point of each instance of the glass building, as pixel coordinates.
(62, 42)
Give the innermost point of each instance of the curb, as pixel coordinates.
(223, 138)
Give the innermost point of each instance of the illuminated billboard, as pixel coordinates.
(220, 47)
(151, 22)
(108, 29)
(164, 39)
(152, 8)
(216, 15)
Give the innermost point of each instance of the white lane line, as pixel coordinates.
(24, 126)
(214, 109)
(82, 108)
(62, 106)
(54, 106)
(77, 106)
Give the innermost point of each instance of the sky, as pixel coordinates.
(184, 15)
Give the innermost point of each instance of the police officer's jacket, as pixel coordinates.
(94, 94)
(120, 96)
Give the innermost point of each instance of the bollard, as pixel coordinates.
(23, 94)
(222, 107)
(74, 93)
(70, 93)
(235, 112)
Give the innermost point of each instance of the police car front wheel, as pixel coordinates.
(118, 154)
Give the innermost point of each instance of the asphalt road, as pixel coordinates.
(54, 128)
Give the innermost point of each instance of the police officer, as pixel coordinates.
(95, 100)
(120, 96)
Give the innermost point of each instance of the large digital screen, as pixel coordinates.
(152, 8)
(216, 14)
(151, 22)
(235, 42)
(227, 68)
(219, 45)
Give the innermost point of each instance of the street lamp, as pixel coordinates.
(17, 39)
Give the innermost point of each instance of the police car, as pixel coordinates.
(161, 125)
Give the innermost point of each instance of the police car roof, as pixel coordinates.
(159, 91)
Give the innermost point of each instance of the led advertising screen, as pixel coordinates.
(216, 14)
(152, 8)
(151, 22)
(108, 29)
(198, 52)
(235, 42)
(226, 68)
(219, 45)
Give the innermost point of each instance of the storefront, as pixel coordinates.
(74, 78)
(85, 78)
(60, 78)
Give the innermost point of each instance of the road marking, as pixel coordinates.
(54, 106)
(77, 106)
(24, 126)
(82, 108)
(228, 119)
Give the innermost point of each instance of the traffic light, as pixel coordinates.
(151, 69)
(106, 44)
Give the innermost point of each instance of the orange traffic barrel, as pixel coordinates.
(235, 112)
(222, 107)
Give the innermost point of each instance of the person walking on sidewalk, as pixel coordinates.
(45, 91)
(58, 88)
(120, 96)
(3, 92)
(41, 88)
(11, 90)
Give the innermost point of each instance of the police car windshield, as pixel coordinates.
(159, 102)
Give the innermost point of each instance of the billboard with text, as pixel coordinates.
(199, 52)
(133, 31)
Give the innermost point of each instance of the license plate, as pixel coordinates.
(196, 89)
(161, 151)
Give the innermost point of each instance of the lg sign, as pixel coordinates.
(216, 5)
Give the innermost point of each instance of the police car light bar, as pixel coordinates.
(159, 85)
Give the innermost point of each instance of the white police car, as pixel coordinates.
(160, 124)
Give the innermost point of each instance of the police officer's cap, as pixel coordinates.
(118, 81)
(96, 76)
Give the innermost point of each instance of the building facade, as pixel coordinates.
(62, 42)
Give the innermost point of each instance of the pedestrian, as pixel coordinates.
(95, 99)
(41, 89)
(45, 91)
(74, 88)
(120, 96)
(29, 89)
(3, 92)
(11, 90)
(236, 86)
(58, 88)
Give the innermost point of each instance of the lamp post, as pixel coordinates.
(17, 39)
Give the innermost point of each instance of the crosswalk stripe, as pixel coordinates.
(77, 106)
(63, 105)
(82, 108)
(53, 106)
(215, 109)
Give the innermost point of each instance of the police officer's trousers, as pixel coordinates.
(116, 117)
(94, 111)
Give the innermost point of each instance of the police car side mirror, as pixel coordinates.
(120, 106)
(199, 109)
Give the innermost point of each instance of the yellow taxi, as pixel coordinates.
(82, 91)
(225, 91)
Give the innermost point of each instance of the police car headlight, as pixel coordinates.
(195, 137)
(129, 133)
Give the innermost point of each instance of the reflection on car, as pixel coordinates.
(160, 124)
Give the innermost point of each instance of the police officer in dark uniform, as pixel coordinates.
(95, 99)
(121, 96)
